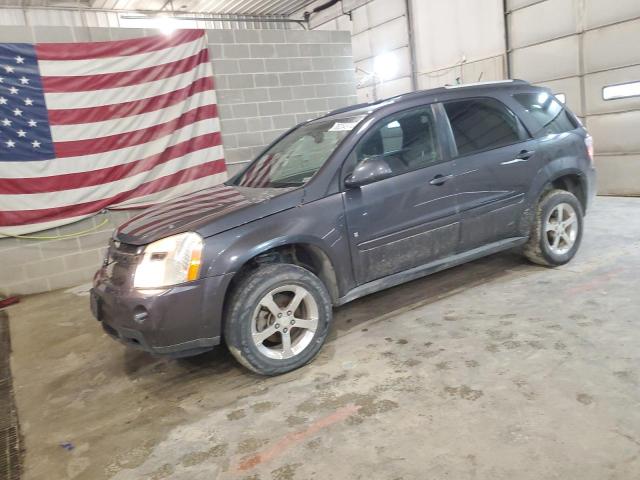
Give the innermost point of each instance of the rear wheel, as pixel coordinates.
(277, 319)
(557, 230)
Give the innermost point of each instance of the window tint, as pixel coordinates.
(407, 142)
(482, 124)
(547, 111)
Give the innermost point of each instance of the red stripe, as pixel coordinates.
(159, 212)
(57, 183)
(26, 217)
(75, 148)
(85, 83)
(162, 222)
(119, 48)
(75, 116)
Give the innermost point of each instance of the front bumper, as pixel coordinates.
(180, 321)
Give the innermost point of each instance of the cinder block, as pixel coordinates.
(338, 102)
(259, 124)
(283, 122)
(251, 65)
(230, 96)
(335, 50)
(268, 137)
(229, 141)
(345, 89)
(304, 117)
(302, 36)
(16, 34)
(340, 36)
(96, 240)
(304, 91)
(273, 36)
(239, 155)
(263, 50)
(342, 63)
(287, 50)
(270, 108)
(71, 278)
(311, 50)
(250, 139)
(83, 260)
(328, 90)
(225, 111)
(12, 274)
(225, 67)
(294, 106)
(233, 125)
(323, 63)
(245, 110)
(53, 34)
(280, 93)
(26, 288)
(313, 78)
(317, 105)
(44, 268)
(276, 65)
(290, 79)
(266, 80)
(247, 36)
(235, 51)
(216, 36)
(56, 248)
(300, 64)
(255, 94)
(20, 255)
(240, 81)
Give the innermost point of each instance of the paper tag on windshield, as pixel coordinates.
(343, 127)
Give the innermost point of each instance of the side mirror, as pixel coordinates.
(369, 170)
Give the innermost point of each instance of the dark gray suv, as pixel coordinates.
(362, 199)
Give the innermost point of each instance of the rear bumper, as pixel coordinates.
(180, 321)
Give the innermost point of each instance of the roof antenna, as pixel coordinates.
(480, 77)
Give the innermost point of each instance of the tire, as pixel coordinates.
(255, 329)
(546, 246)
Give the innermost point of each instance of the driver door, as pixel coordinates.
(409, 219)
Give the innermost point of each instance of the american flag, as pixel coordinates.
(88, 126)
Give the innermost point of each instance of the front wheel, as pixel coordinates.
(557, 230)
(278, 318)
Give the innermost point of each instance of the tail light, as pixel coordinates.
(588, 141)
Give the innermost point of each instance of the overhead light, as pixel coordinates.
(623, 90)
(385, 66)
(166, 25)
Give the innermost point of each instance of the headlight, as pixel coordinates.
(170, 261)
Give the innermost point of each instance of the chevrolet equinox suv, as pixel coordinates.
(359, 200)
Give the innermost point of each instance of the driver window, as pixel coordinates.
(407, 141)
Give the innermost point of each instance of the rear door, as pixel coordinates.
(496, 160)
(411, 218)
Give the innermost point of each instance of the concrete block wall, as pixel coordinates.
(266, 82)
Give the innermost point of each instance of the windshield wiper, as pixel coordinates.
(562, 109)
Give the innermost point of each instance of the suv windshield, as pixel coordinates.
(294, 159)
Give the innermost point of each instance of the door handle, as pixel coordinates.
(523, 156)
(440, 179)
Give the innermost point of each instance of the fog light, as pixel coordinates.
(140, 314)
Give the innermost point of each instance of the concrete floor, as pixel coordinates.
(498, 369)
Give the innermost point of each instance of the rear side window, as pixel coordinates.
(547, 111)
(483, 124)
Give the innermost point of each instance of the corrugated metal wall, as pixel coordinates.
(578, 47)
(575, 47)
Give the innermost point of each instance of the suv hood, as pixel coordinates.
(207, 212)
